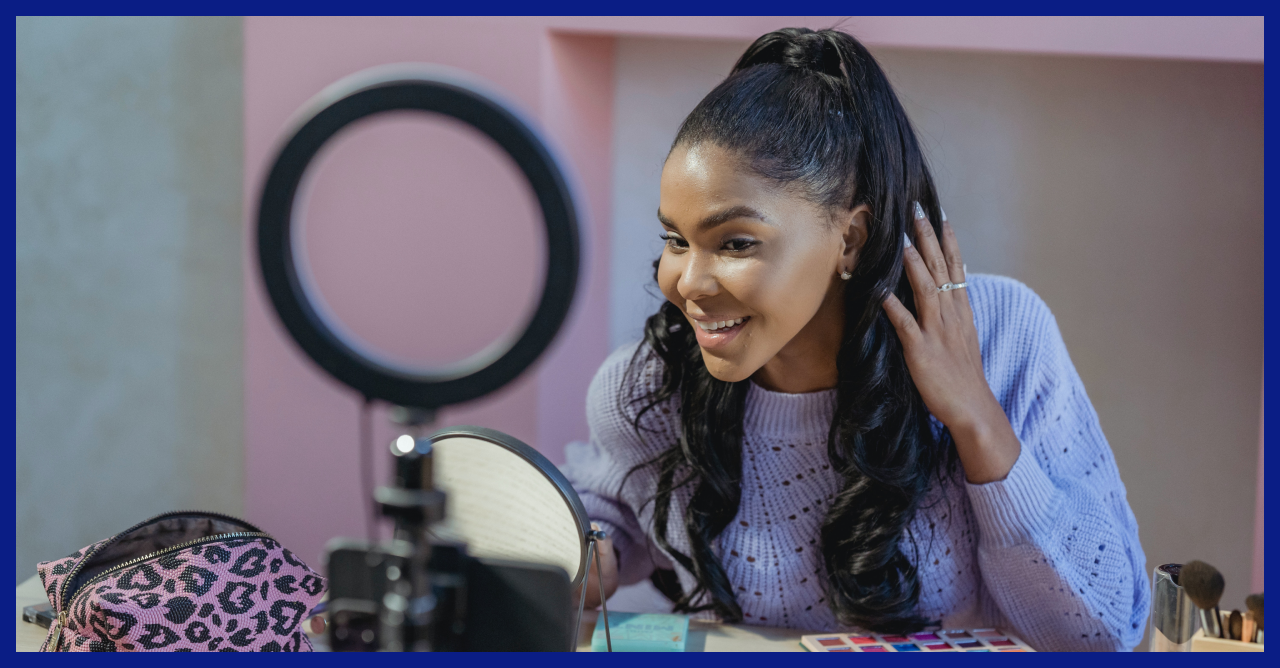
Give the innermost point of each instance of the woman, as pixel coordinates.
(829, 423)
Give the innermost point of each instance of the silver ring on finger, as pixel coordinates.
(952, 286)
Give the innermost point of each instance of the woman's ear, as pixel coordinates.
(852, 224)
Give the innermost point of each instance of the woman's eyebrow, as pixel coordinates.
(719, 217)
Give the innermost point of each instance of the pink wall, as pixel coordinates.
(1234, 38)
(395, 205)
(301, 427)
(577, 109)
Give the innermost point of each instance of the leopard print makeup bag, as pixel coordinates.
(184, 581)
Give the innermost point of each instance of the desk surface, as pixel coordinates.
(714, 637)
(30, 636)
(703, 636)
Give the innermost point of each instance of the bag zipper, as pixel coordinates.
(62, 616)
(62, 591)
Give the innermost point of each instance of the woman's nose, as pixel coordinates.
(698, 279)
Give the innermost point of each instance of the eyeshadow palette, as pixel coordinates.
(942, 640)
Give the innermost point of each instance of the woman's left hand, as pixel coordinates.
(941, 348)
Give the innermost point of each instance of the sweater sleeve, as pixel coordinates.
(1058, 544)
(598, 469)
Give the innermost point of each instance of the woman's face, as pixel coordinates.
(753, 266)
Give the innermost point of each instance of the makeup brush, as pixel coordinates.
(1203, 584)
(1235, 625)
(1254, 603)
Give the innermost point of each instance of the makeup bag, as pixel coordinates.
(185, 581)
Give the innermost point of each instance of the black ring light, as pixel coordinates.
(427, 89)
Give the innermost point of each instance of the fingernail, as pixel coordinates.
(919, 212)
(944, 214)
(907, 239)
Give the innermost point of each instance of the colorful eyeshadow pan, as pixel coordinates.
(934, 640)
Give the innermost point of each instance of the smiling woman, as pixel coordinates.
(828, 424)
(767, 270)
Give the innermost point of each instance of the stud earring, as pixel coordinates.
(846, 275)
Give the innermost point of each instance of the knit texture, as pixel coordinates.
(1050, 552)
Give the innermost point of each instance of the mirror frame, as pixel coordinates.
(545, 467)
(451, 93)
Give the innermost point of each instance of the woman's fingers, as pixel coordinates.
(923, 285)
(930, 250)
(955, 267)
(951, 251)
(903, 321)
(608, 563)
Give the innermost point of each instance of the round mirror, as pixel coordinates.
(417, 237)
(506, 501)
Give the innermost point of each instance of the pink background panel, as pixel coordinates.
(392, 205)
(301, 426)
(301, 433)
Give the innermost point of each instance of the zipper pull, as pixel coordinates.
(57, 639)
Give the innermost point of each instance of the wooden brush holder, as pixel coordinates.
(1199, 643)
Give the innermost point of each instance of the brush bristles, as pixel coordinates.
(1254, 603)
(1203, 583)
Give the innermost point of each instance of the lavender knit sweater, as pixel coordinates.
(1051, 551)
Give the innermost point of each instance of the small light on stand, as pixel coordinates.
(402, 445)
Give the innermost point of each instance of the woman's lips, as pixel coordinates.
(721, 336)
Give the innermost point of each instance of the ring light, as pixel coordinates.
(428, 89)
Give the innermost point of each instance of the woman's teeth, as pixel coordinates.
(723, 324)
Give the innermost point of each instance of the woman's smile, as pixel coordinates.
(717, 332)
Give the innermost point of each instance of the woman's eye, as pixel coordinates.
(739, 244)
(672, 241)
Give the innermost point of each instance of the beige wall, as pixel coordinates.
(1127, 193)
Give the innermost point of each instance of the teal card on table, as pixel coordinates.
(642, 632)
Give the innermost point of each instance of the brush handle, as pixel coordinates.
(1211, 622)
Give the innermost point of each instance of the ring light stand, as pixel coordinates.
(411, 594)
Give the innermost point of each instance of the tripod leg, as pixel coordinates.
(604, 607)
(582, 598)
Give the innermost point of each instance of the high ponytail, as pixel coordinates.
(813, 110)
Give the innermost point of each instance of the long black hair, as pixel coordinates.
(810, 110)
